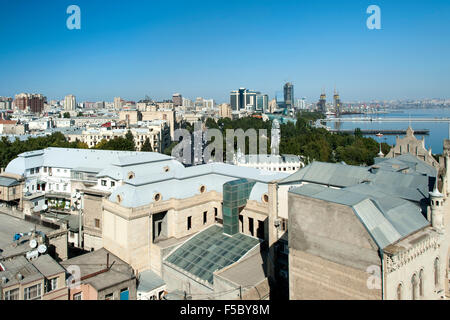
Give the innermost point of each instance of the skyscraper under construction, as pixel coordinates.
(322, 104)
(337, 104)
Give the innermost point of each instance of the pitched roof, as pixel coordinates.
(386, 218)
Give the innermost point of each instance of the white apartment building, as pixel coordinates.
(158, 133)
(70, 103)
(268, 162)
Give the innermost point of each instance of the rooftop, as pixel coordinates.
(210, 250)
(96, 261)
(148, 281)
(387, 218)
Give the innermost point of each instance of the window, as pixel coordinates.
(284, 224)
(78, 296)
(97, 223)
(33, 292)
(414, 287)
(189, 223)
(53, 284)
(157, 197)
(250, 226)
(12, 294)
(32, 171)
(399, 291)
(45, 169)
(421, 283)
(436, 272)
(37, 170)
(205, 217)
(109, 296)
(265, 198)
(113, 184)
(202, 189)
(104, 183)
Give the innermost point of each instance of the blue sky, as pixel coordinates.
(135, 48)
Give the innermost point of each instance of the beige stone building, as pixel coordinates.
(11, 127)
(225, 111)
(379, 232)
(410, 144)
(158, 133)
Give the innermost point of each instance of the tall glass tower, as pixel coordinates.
(289, 95)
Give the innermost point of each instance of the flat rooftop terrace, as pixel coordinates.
(9, 226)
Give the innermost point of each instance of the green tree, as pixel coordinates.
(147, 147)
(66, 115)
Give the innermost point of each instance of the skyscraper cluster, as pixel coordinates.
(248, 99)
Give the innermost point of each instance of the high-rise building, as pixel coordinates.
(322, 105)
(118, 103)
(301, 103)
(243, 99)
(337, 103)
(70, 103)
(177, 100)
(30, 102)
(262, 102)
(289, 95)
(225, 111)
(187, 103)
(5, 103)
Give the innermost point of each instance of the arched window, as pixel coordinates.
(421, 283)
(436, 272)
(414, 287)
(399, 291)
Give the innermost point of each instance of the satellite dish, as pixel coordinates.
(33, 243)
(44, 207)
(42, 249)
(78, 195)
(79, 206)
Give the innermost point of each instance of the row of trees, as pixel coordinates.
(10, 150)
(313, 143)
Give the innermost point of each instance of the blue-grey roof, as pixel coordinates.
(210, 250)
(407, 162)
(412, 186)
(186, 182)
(149, 280)
(387, 218)
(75, 158)
(8, 182)
(331, 174)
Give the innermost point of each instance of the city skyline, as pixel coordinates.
(158, 49)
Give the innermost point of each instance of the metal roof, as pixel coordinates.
(8, 182)
(149, 280)
(386, 217)
(332, 174)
